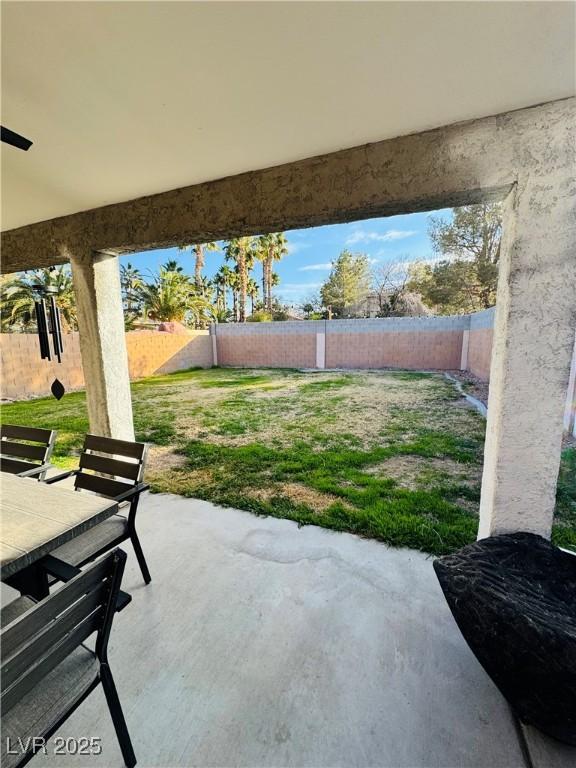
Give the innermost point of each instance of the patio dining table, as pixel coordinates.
(36, 519)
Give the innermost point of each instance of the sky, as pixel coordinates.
(311, 251)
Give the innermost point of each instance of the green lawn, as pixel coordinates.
(396, 456)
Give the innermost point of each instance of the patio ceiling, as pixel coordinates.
(128, 99)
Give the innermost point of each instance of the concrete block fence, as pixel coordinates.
(443, 343)
(25, 375)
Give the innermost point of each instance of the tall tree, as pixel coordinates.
(199, 250)
(270, 248)
(223, 280)
(347, 285)
(390, 290)
(172, 265)
(252, 293)
(131, 282)
(465, 277)
(240, 250)
(235, 287)
(171, 295)
(18, 295)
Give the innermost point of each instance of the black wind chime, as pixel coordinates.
(48, 323)
(45, 304)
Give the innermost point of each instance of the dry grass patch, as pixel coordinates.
(297, 493)
(415, 472)
(162, 458)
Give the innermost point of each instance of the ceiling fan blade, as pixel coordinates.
(9, 137)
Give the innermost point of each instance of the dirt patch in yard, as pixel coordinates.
(354, 410)
(298, 493)
(162, 458)
(414, 472)
(473, 385)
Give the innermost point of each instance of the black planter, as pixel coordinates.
(514, 600)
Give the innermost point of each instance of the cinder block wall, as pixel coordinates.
(403, 342)
(24, 374)
(151, 352)
(480, 343)
(407, 342)
(270, 345)
(442, 343)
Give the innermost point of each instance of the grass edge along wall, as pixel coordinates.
(416, 343)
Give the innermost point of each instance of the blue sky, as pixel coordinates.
(311, 251)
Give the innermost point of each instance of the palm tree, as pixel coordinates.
(204, 290)
(270, 248)
(172, 266)
(171, 296)
(18, 294)
(222, 315)
(226, 279)
(241, 251)
(206, 287)
(131, 282)
(252, 290)
(199, 250)
(234, 287)
(201, 312)
(222, 283)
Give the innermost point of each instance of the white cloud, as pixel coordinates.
(363, 236)
(297, 247)
(297, 287)
(315, 267)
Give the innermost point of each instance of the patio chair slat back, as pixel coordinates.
(115, 467)
(90, 607)
(114, 447)
(17, 456)
(14, 466)
(102, 485)
(55, 656)
(45, 635)
(23, 450)
(16, 432)
(16, 633)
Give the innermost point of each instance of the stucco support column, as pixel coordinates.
(321, 350)
(465, 348)
(103, 344)
(213, 334)
(532, 349)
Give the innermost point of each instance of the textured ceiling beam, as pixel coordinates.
(458, 164)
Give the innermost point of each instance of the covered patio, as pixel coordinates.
(259, 643)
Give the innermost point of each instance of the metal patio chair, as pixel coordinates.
(119, 479)
(25, 451)
(47, 671)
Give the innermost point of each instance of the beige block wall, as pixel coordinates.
(406, 349)
(151, 352)
(24, 374)
(274, 350)
(480, 352)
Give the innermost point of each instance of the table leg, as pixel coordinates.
(31, 581)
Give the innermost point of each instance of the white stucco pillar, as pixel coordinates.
(321, 350)
(103, 344)
(532, 349)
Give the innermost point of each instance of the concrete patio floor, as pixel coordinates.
(262, 644)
